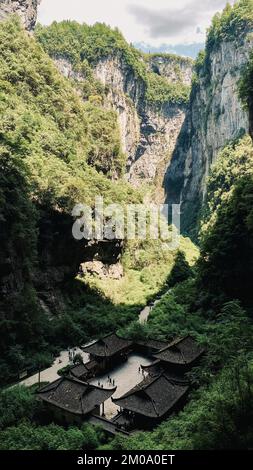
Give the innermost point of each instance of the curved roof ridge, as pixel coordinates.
(101, 339)
(75, 396)
(156, 397)
(88, 384)
(181, 351)
(51, 386)
(170, 380)
(154, 406)
(148, 366)
(175, 342)
(74, 379)
(149, 397)
(141, 387)
(111, 389)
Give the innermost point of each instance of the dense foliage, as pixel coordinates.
(51, 437)
(51, 125)
(16, 404)
(231, 23)
(21, 426)
(52, 154)
(78, 42)
(147, 265)
(233, 163)
(161, 91)
(55, 151)
(85, 45)
(226, 264)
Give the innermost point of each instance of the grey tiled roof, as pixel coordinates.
(154, 397)
(74, 396)
(182, 352)
(157, 368)
(81, 370)
(152, 344)
(154, 366)
(108, 346)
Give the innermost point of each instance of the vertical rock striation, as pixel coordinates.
(215, 117)
(148, 131)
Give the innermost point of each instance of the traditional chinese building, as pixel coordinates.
(84, 371)
(180, 355)
(72, 401)
(109, 350)
(151, 401)
(149, 346)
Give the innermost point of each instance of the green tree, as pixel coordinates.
(181, 270)
(16, 404)
(226, 405)
(225, 268)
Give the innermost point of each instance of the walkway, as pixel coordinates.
(50, 374)
(143, 317)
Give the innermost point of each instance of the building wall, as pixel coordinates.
(64, 417)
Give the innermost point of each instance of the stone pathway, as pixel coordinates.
(143, 317)
(50, 374)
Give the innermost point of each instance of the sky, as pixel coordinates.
(152, 22)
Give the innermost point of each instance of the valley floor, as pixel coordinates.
(126, 376)
(51, 373)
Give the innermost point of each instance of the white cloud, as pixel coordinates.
(171, 21)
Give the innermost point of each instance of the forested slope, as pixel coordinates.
(150, 94)
(52, 157)
(47, 140)
(57, 150)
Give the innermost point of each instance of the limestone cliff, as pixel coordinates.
(174, 68)
(26, 9)
(148, 131)
(125, 95)
(215, 117)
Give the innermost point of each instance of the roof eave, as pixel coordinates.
(65, 408)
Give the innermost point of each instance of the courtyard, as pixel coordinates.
(124, 376)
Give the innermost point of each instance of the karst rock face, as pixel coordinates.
(26, 9)
(215, 117)
(148, 131)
